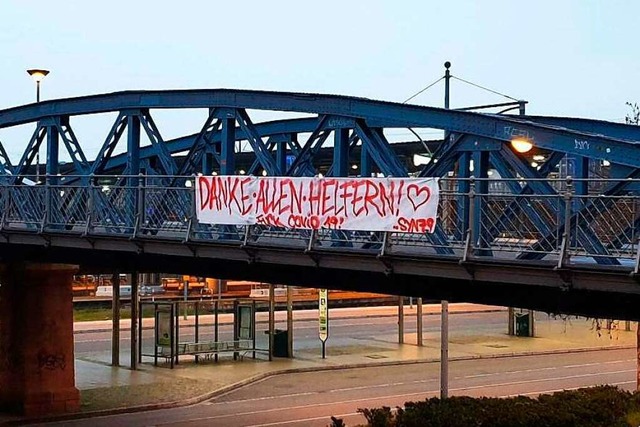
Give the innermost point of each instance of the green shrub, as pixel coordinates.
(379, 417)
(602, 406)
(337, 422)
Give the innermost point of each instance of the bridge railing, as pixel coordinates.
(517, 217)
(605, 226)
(559, 221)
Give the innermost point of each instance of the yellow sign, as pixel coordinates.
(323, 314)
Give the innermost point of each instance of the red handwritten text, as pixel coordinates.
(384, 204)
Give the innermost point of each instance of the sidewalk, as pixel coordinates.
(105, 389)
(298, 315)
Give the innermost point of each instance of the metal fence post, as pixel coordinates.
(312, 240)
(48, 200)
(90, 205)
(139, 213)
(289, 321)
(192, 216)
(470, 243)
(7, 190)
(272, 320)
(386, 244)
(566, 235)
(633, 223)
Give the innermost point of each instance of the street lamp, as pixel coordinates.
(521, 145)
(37, 76)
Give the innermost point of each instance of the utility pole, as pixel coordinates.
(135, 300)
(419, 321)
(400, 320)
(115, 329)
(444, 320)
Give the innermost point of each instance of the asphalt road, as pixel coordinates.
(341, 332)
(309, 399)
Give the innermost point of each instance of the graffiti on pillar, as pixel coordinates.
(51, 361)
(9, 360)
(4, 361)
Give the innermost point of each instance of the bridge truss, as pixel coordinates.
(576, 207)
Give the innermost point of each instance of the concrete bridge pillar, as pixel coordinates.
(37, 373)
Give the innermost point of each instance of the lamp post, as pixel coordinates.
(38, 75)
(444, 304)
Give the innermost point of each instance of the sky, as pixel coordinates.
(566, 58)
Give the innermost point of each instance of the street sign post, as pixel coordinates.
(323, 318)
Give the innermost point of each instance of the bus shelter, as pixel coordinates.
(193, 328)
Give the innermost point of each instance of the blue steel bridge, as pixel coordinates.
(559, 235)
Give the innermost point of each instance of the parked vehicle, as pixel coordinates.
(148, 290)
(107, 291)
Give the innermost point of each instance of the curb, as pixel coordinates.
(367, 316)
(259, 377)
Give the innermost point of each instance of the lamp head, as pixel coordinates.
(521, 145)
(37, 74)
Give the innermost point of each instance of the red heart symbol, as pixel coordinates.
(418, 199)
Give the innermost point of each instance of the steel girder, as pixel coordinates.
(389, 114)
(597, 127)
(114, 135)
(304, 159)
(513, 209)
(29, 154)
(443, 158)
(379, 149)
(64, 130)
(586, 209)
(6, 167)
(372, 122)
(472, 136)
(162, 152)
(53, 128)
(283, 144)
(208, 139)
(132, 121)
(511, 166)
(199, 145)
(460, 149)
(263, 154)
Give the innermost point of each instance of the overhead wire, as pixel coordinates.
(457, 78)
(484, 88)
(422, 90)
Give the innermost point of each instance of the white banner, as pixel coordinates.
(407, 205)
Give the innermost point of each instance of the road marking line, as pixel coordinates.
(425, 381)
(364, 387)
(387, 397)
(561, 389)
(609, 362)
(312, 405)
(568, 377)
(257, 399)
(278, 423)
